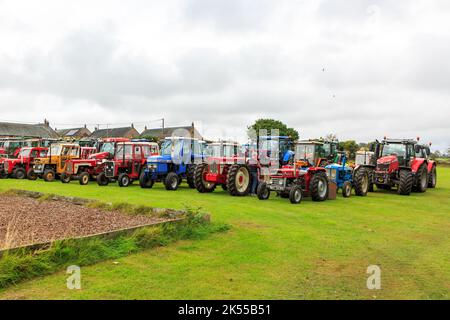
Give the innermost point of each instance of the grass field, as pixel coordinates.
(274, 250)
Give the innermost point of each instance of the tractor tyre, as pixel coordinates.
(49, 175)
(262, 191)
(362, 182)
(405, 183)
(238, 180)
(31, 175)
(65, 178)
(171, 182)
(421, 183)
(83, 179)
(224, 187)
(319, 187)
(347, 189)
(283, 195)
(433, 178)
(102, 179)
(190, 175)
(145, 182)
(124, 180)
(3, 175)
(20, 173)
(296, 194)
(200, 183)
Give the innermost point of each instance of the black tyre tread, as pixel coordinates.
(168, 178)
(231, 181)
(64, 178)
(144, 182)
(102, 180)
(314, 186)
(430, 179)
(31, 175)
(119, 180)
(358, 181)
(80, 180)
(198, 179)
(260, 191)
(20, 173)
(45, 175)
(190, 175)
(405, 183)
(422, 170)
(292, 192)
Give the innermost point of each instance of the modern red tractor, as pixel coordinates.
(401, 163)
(128, 163)
(88, 168)
(22, 166)
(225, 165)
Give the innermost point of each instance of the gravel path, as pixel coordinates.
(25, 221)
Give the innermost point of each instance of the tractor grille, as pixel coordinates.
(6, 166)
(277, 184)
(214, 168)
(383, 167)
(109, 169)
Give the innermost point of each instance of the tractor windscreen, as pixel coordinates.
(229, 151)
(127, 149)
(394, 149)
(166, 148)
(108, 147)
(55, 149)
(214, 150)
(24, 152)
(305, 152)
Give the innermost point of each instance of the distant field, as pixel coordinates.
(274, 250)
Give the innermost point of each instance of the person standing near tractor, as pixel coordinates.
(253, 165)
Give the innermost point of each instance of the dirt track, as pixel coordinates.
(25, 221)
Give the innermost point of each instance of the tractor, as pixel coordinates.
(54, 164)
(343, 176)
(302, 178)
(225, 165)
(178, 159)
(128, 163)
(22, 166)
(85, 169)
(401, 163)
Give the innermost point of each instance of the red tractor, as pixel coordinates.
(401, 163)
(225, 165)
(128, 163)
(86, 168)
(22, 166)
(300, 179)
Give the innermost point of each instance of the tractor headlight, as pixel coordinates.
(332, 174)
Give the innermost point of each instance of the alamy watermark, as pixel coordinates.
(73, 282)
(374, 280)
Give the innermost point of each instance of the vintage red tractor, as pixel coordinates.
(401, 163)
(128, 163)
(22, 166)
(300, 179)
(88, 168)
(225, 165)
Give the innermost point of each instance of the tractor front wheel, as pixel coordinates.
(362, 182)
(20, 173)
(102, 179)
(319, 187)
(49, 175)
(405, 183)
(145, 182)
(31, 175)
(124, 180)
(83, 179)
(296, 194)
(65, 178)
(201, 184)
(171, 181)
(238, 180)
(347, 189)
(190, 175)
(433, 178)
(263, 191)
(421, 179)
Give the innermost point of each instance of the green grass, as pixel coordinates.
(274, 250)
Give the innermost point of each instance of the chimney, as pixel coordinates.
(192, 125)
(96, 128)
(132, 125)
(85, 126)
(145, 128)
(46, 123)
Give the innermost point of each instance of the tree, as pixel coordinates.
(350, 146)
(271, 124)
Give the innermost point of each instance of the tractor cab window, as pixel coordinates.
(137, 152)
(177, 146)
(25, 152)
(55, 149)
(214, 150)
(147, 151)
(305, 152)
(397, 149)
(229, 151)
(124, 151)
(166, 148)
(42, 154)
(108, 147)
(197, 149)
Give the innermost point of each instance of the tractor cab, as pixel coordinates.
(224, 152)
(107, 148)
(275, 150)
(180, 150)
(313, 153)
(397, 152)
(56, 160)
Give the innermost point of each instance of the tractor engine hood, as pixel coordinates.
(2, 151)
(387, 160)
(99, 156)
(159, 159)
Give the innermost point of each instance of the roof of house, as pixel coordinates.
(167, 132)
(27, 130)
(69, 132)
(111, 133)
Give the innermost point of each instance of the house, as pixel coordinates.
(161, 133)
(19, 130)
(125, 132)
(74, 133)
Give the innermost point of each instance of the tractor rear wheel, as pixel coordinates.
(31, 175)
(433, 178)
(190, 175)
(20, 173)
(171, 181)
(145, 182)
(124, 180)
(102, 179)
(49, 175)
(362, 181)
(83, 179)
(238, 180)
(319, 187)
(262, 191)
(406, 182)
(421, 179)
(347, 189)
(65, 178)
(296, 195)
(201, 184)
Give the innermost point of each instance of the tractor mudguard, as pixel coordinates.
(416, 163)
(431, 164)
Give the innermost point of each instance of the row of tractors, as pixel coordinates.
(272, 164)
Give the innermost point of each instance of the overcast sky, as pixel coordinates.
(360, 69)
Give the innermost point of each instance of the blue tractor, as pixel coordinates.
(178, 159)
(341, 174)
(281, 144)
